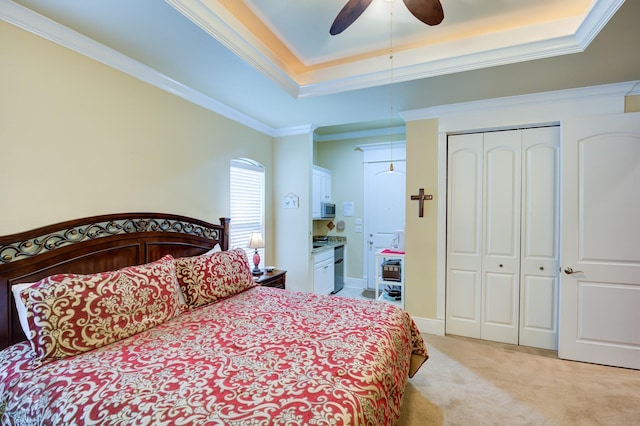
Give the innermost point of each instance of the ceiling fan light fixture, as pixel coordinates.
(391, 98)
(428, 11)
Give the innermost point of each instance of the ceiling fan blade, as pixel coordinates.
(349, 13)
(428, 11)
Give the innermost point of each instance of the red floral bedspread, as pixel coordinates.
(263, 357)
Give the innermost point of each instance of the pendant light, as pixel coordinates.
(391, 84)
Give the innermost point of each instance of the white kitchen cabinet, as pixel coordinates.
(315, 194)
(323, 276)
(325, 187)
(321, 190)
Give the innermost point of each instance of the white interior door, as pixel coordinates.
(600, 284)
(483, 236)
(540, 242)
(501, 238)
(464, 235)
(384, 208)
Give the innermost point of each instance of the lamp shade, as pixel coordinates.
(255, 240)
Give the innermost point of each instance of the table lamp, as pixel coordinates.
(255, 242)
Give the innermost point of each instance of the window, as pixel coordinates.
(247, 204)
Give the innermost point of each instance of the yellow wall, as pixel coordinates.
(292, 230)
(78, 138)
(632, 103)
(347, 181)
(421, 232)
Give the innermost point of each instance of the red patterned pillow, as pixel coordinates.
(69, 314)
(210, 277)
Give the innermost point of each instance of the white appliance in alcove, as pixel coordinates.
(397, 243)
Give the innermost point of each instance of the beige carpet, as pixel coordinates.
(474, 382)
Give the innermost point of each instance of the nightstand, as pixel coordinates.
(275, 278)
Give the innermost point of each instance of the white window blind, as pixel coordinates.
(247, 205)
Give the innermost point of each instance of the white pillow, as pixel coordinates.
(20, 306)
(215, 249)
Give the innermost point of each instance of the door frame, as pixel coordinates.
(376, 153)
(517, 264)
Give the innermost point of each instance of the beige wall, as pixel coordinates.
(347, 180)
(632, 103)
(292, 168)
(421, 232)
(78, 138)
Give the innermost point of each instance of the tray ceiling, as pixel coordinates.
(289, 40)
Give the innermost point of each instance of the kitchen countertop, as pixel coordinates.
(331, 244)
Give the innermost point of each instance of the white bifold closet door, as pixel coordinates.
(502, 236)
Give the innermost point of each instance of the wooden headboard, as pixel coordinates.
(96, 244)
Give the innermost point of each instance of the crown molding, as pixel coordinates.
(597, 18)
(305, 129)
(572, 35)
(516, 45)
(583, 94)
(216, 21)
(635, 90)
(362, 134)
(561, 37)
(30, 21)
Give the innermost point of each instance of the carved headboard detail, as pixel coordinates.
(76, 233)
(96, 244)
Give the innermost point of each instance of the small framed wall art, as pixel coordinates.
(290, 201)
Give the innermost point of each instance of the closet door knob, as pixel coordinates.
(500, 265)
(570, 271)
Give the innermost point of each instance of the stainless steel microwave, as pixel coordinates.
(327, 210)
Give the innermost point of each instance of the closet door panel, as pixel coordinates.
(502, 196)
(540, 244)
(499, 318)
(464, 235)
(464, 312)
(501, 252)
(539, 311)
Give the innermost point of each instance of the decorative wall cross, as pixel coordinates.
(421, 197)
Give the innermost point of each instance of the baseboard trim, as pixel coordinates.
(355, 283)
(430, 325)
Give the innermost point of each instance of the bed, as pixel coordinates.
(148, 318)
